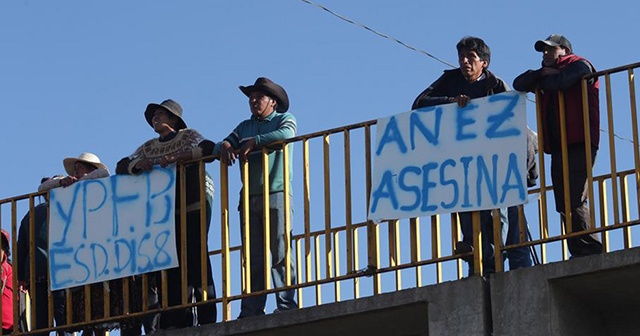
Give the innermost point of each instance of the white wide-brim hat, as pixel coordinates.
(86, 157)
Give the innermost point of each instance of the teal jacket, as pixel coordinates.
(275, 127)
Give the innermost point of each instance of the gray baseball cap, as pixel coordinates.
(553, 40)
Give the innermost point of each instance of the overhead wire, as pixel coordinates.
(410, 47)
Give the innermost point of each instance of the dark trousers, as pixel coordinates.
(510, 228)
(151, 322)
(203, 314)
(578, 190)
(285, 300)
(42, 308)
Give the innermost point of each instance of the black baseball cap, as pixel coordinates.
(553, 40)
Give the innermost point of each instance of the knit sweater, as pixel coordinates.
(185, 141)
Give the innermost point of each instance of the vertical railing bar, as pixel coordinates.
(266, 220)
(414, 230)
(246, 239)
(183, 236)
(543, 213)
(612, 152)
(327, 206)
(224, 236)
(497, 240)
(286, 174)
(307, 208)
(604, 212)
(436, 244)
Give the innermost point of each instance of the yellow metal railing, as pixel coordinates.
(339, 254)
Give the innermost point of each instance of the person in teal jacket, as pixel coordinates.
(270, 122)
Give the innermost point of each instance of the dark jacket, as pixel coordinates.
(41, 244)
(572, 69)
(452, 83)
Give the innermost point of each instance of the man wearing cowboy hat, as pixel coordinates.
(177, 144)
(264, 127)
(86, 166)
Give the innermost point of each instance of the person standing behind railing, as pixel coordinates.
(473, 80)
(265, 126)
(563, 71)
(6, 284)
(176, 144)
(87, 166)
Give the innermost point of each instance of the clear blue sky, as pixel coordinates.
(77, 75)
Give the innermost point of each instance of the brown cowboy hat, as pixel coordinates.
(86, 157)
(271, 89)
(170, 106)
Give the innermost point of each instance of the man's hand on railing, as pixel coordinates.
(227, 153)
(246, 148)
(144, 165)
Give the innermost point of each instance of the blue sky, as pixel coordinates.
(76, 76)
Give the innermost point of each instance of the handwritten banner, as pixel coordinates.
(444, 158)
(112, 227)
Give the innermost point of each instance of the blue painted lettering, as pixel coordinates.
(392, 134)
(416, 123)
(57, 267)
(512, 168)
(497, 120)
(414, 189)
(384, 190)
(491, 181)
(426, 185)
(462, 121)
(162, 258)
(452, 182)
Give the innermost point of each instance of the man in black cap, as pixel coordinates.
(177, 144)
(264, 127)
(563, 71)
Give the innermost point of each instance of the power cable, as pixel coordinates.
(341, 17)
(410, 47)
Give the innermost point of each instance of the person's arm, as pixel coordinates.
(51, 183)
(432, 95)
(196, 147)
(287, 128)
(122, 167)
(96, 174)
(527, 81)
(226, 149)
(134, 164)
(566, 77)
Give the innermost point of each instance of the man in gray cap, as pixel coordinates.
(270, 122)
(562, 70)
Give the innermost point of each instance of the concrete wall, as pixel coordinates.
(596, 295)
(449, 309)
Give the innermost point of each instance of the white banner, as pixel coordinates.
(112, 227)
(444, 158)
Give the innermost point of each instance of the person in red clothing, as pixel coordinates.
(6, 283)
(563, 71)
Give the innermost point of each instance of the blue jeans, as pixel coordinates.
(254, 305)
(518, 258)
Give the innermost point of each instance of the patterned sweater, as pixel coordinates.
(184, 141)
